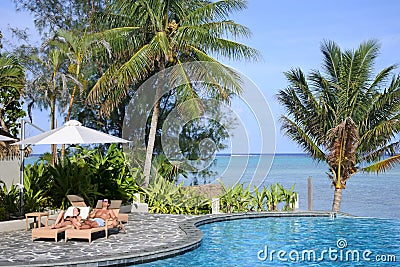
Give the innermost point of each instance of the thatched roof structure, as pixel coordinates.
(208, 190)
(7, 151)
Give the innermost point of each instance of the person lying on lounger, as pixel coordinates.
(69, 220)
(98, 217)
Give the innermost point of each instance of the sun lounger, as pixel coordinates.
(87, 233)
(76, 201)
(47, 232)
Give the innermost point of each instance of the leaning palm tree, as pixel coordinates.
(168, 33)
(346, 116)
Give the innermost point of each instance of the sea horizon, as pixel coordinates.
(366, 195)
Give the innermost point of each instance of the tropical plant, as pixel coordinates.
(34, 200)
(53, 15)
(71, 177)
(12, 82)
(36, 187)
(110, 173)
(274, 196)
(258, 199)
(346, 116)
(236, 198)
(290, 197)
(165, 197)
(9, 201)
(167, 33)
(77, 47)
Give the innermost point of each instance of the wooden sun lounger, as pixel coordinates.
(76, 201)
(87, 233)
(47, 232)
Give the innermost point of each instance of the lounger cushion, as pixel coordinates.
(84, 212)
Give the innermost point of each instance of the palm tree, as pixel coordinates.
(49, 85)
(346, 116)
(78, 48)
(12, 83)
(167, 33)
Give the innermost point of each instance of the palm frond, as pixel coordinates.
(383, 165)
(214, 11)
(300, 136)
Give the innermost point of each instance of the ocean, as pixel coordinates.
(366, 195)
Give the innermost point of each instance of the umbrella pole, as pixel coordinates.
(21, 168)
(22, 165)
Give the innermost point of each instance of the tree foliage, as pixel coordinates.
(12, 82)
(345, 115)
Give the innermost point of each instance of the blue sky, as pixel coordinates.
(288, 34)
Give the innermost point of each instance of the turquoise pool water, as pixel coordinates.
(295, 241)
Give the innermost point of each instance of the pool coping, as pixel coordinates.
(193, 238)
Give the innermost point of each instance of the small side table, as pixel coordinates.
(35, 215)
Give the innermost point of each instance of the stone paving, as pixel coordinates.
(148, 237)
(144, 233)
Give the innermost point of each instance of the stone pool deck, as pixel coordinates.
(148, 237)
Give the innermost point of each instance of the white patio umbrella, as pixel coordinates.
(6, 138)
(72, 132)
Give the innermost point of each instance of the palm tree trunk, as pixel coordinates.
(337, 199)
(153, 127)
(53, 126)
(150, 143)
(2, 122)
(71, 102)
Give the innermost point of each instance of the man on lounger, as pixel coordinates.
(98, 217)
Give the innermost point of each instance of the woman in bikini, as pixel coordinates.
(98, 217)
(69, 220)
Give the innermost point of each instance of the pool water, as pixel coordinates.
(300, 241)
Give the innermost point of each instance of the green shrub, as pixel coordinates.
(9, 201)
(92, 174)
(235, 199)
(166, 197)
(239, 198)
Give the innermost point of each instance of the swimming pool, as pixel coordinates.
(300, 241)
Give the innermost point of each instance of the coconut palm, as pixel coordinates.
(49, 85)
(346, 116)
(167, 33)
(78, 48)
